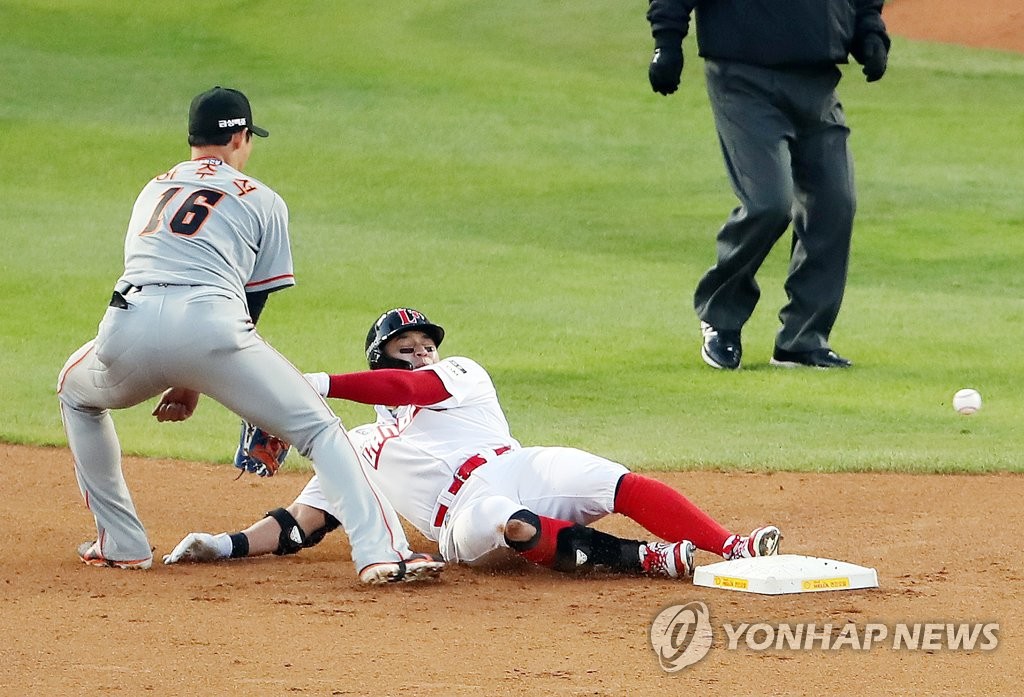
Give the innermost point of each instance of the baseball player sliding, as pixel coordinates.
(447, 461)
(205, 246)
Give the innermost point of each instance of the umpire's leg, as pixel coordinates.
(823, 220)
(754, 135)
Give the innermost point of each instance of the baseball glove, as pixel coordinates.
(259, 452)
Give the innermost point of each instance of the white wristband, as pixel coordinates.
(321, 382)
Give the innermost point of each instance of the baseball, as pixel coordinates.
(967, 401)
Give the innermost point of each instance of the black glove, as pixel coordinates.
(667, 63)
(875, 56)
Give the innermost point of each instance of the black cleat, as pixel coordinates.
(818, 358)
(721, 349)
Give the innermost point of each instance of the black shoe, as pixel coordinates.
(818, 358)
(721, 349)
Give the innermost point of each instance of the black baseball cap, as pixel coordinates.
(221, 110)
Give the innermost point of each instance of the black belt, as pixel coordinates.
(121, 289)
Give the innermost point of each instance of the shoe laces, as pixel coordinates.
(736, 547)
(728, 338)
(742, 546)
(655, 559)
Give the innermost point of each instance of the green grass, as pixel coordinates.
(506, 168)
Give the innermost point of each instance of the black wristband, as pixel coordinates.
(256, 302)
(667, 38)
(239, 545)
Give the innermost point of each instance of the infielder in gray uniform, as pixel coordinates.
(205, 246)
(771, 68)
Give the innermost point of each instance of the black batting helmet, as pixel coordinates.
(391, 324)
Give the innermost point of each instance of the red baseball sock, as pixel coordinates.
(543, 552)
(667, 513)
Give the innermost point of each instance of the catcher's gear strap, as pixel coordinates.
(291, 539)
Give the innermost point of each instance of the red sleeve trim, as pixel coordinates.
(265, 281)
(390, 387)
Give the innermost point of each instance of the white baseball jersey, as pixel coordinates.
(243, 248)
(414, 453)
(417, 450)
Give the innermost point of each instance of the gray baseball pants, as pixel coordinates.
(201, 339)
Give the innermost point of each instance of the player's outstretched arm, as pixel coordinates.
(384, 386)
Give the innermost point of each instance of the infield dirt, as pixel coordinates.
(947, 549)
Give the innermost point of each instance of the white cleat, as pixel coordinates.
(762, 542)
(672, 559)
(89, 553)
(418, 567)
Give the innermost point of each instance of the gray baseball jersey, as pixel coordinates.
(200, 236)
(220, 228)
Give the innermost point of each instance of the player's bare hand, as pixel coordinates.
(176, 404)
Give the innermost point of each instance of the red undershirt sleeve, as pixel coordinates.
(389, 386)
